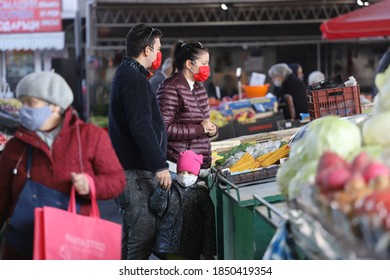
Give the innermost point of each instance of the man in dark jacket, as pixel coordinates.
(139, 138)
(286, 83)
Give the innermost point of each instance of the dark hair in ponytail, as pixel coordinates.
(186, 51)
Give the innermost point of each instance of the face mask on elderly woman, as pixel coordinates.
(34, 118)
(277, 83)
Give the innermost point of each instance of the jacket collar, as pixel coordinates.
(129, 61)
(183, 80)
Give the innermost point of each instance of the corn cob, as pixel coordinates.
(246, 162)
(261, 158)
(275, 156)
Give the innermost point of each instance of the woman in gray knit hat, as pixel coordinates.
(52, 148)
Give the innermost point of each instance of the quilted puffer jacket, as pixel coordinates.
(183, 110)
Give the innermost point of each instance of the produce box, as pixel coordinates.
(226, 131)
(259, 174)
(340, 101)
(229, 108)
(261, 125)
(264, 104)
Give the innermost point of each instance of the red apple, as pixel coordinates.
(360, 162)
(375, 169)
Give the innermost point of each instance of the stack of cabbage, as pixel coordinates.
(375, 129)
(329, 133)
(345, 138)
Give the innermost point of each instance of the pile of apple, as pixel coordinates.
(361, 191)
(245, 115)
(350, 184)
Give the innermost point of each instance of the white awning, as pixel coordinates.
(32, 41)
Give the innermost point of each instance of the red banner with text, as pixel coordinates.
(22, 16)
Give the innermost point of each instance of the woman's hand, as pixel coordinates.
(80, 183)
(209, 128)
(212, 131)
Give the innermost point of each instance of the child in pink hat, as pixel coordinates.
(188, 167)
(186, 221)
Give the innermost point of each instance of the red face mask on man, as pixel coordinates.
(203, 74)
(157, 62)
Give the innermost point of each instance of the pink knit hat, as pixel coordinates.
(189, 161)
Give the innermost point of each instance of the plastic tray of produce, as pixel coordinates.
(254, 175)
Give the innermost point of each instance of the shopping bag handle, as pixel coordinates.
(92, 193)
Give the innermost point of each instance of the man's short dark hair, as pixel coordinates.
(139, 37)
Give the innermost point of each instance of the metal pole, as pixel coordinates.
(319, 56)
(88, 52)
(238, 75)
(77, 34)
(3, 64)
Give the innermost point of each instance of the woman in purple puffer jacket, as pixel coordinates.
(184, 104)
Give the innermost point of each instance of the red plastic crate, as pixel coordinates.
(341, 101)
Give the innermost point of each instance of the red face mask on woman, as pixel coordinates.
(157, 62)
(203, 74)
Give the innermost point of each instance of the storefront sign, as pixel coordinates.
(17, 16)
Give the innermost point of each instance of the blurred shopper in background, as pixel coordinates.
(315, 77)
(161, 75)
(228, 86)
(53, 149)
(286, 84)
(186, 227)
(297, 70)
(184, 104)
(139, 138)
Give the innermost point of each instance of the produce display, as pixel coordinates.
(3, 140)
(251, 156)
(338, 173)
(10, 105)
(218, 118)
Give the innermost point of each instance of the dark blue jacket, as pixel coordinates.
(135, 124)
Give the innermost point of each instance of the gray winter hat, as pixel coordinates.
(47, 86)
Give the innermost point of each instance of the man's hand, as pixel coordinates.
(80, 183)
(164, 179)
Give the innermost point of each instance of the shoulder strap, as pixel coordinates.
(79, 148)
(29, 160)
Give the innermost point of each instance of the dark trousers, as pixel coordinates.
(138, 221)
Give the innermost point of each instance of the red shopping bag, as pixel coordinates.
(60, 234)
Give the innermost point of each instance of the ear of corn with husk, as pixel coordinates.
(273, 157)
(246, 162)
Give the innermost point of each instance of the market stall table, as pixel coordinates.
(234, 212)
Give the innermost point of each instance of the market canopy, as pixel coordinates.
(32, 41)
(370, 21)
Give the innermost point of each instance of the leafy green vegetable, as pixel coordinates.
(375, 130)
(330, 133)
(240, 148)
